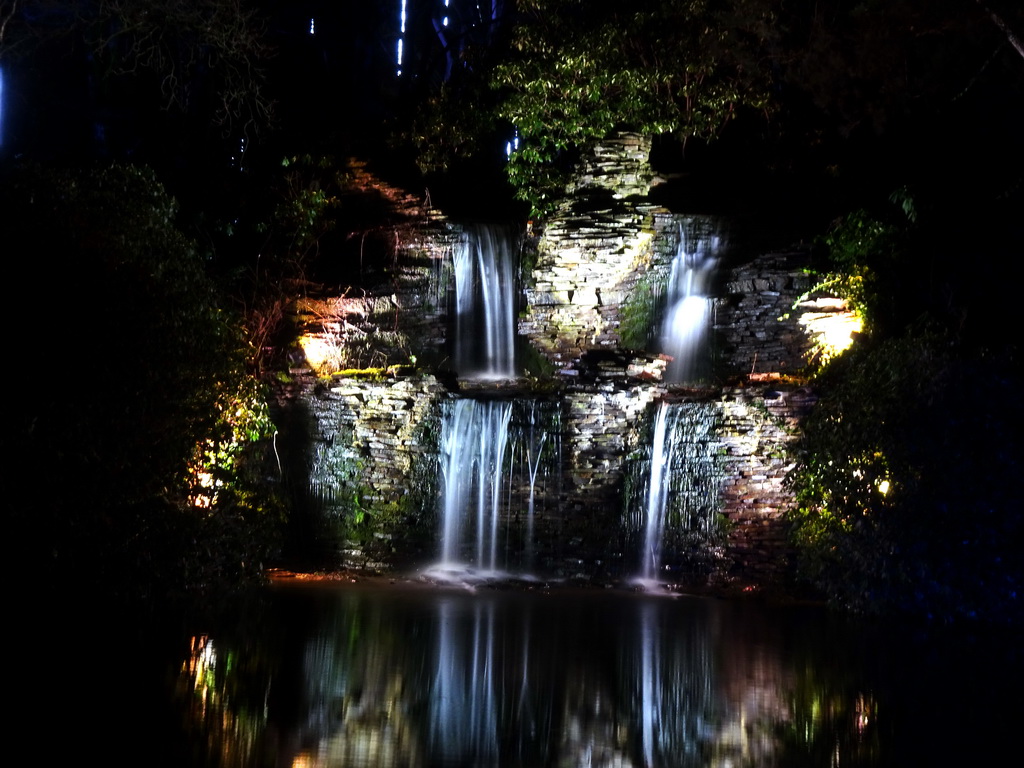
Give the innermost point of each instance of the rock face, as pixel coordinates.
(603, 254)
(360, 463)
(603, 262)
(361, 451)
(757, 328)
(399, 309)
(589, 260)
(620, 165)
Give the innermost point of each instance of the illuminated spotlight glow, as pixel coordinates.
(312, 26)
(832, 325)
(403, 17)
(399, 59)
(321, 353)
(883, 487)
(444, 22)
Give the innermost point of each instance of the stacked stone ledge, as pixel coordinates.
(619, 164)
(754, 317)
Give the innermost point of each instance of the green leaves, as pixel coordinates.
(902, 500)
(573, 72)
(578, 73)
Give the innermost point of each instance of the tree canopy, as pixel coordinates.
(205, 56)
(577, 70)
(856, 88)
(567, 72)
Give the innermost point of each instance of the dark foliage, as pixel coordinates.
(907, 479)
(137, 385)
(907, 487)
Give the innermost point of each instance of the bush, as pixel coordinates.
(906, 486)
(138, 395)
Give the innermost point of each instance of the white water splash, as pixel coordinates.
(485, 304)
(472, 461)
(662, 451)
(688, 312)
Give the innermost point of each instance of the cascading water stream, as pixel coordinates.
(688, 309)
(493, 455)
(680, 499)
(662, 451)
(485, 303)
(533, 449)
(473, 444)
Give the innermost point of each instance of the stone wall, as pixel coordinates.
(588, 259)
(600, 279)
(607, 422)
(592, 252)
(361, 460)
(399, 313)
(601, 275)
(603, 261)
(759, 424)
(360, 463)
(601, 270)
(603, 427)
(620, 164)
(756, 325)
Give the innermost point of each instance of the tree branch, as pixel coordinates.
(6, 14)
(1015, 41)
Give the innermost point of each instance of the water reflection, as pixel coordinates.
(367, 677)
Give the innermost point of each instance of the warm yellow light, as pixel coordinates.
(831, 325)
(883, 487)
(202, 661)
(321, 354)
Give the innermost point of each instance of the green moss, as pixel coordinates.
(373, 374)
(388, 527)
(639, 313)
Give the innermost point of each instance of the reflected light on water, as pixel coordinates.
(228, 727)
(200, 669)
(443, 678)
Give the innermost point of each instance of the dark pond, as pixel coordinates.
(362, 675)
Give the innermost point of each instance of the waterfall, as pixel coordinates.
(494, 455)
(485, 303)
(678, 493)
(662, 452)
(688, 309)
(473, 444)
(533, 447)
